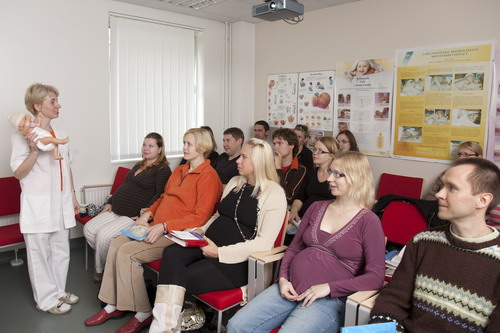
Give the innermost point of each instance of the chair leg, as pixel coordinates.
(86, 255)
(17, 261)
(219, 321)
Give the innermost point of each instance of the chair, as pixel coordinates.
(401, 221)
(258, 280)
(121, 173)
(400, 185)
(10, 234)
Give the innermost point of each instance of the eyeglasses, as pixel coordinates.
(343, 141)
(335, 174)
(319, 151)
(466, 155)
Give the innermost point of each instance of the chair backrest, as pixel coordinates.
(280, 239)
(10, 192)
(400, 185)
(401, 221)
(121, 173)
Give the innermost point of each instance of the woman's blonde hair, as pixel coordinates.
(331, 144)
(36, 93)
(202, 141)
(358, 174)
(472, 146)
(264, 168)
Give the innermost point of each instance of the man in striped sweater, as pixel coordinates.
(448, 279)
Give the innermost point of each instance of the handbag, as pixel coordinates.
(192, 317)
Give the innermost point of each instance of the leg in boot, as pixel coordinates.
(167, 309)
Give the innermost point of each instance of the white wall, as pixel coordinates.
(370, 29)
(65, 43)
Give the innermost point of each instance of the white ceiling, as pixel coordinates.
(230, 10)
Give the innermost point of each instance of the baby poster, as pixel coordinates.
(364, 103)
(493, 151)
(315, 100)
(282, 100)
(441, 99)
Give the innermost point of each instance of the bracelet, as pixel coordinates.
(165, 230)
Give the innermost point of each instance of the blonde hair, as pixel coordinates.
(202, 141)
(330, 143)
(472, 146)
(358, 174)
(36, 93)
(264, 168)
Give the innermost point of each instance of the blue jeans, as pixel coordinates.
(269, 310)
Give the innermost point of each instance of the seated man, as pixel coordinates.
(261, 130)
(286, 146)
(225, 164)
(449, 276)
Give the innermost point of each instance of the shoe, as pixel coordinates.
(134, 325)
(102, 316)
(59, 309)
(97, 277)
(69, 298)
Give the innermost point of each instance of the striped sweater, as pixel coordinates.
(444, 284)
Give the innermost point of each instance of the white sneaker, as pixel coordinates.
(69, 298)
(58, 309)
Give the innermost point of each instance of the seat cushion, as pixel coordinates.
(10, 234)
(222, 299)
(81, 219)
(155, 265)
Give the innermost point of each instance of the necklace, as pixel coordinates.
(235, 218)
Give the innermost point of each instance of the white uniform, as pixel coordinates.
(46, 215)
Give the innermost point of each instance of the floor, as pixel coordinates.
(17, 308)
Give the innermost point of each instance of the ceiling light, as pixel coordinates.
(195, 4)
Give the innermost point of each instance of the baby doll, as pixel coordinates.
(46, 142)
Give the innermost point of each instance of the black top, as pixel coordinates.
(305, 158)
(139, 191)
(313, 191)
(212, 157)
(224, 230)
(226, 169)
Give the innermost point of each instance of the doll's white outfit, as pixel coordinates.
(43, 134)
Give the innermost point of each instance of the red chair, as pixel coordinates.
(121, 173)
(10, 235)
(226, 299)
(400, 185)
(401, 221)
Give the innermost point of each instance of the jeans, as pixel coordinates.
(269, 310)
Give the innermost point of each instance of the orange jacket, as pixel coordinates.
(189, 199)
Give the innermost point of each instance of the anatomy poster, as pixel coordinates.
(315, 100)
(282, 100)
(493, 151)
(364, 103)
(442, 99)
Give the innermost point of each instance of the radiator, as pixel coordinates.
(96, 194)
(9, 219)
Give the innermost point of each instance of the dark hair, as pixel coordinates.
(214, 144)
(352, 140)
(263, 123)
(236, 133)
(162, 158)
(289, 136)
(485, 178)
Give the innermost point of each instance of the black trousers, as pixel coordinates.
(188, 268)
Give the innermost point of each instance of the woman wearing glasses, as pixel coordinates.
(347, 141)
(338, 250)
(315, 186)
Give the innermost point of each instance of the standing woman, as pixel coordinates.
(142, 187)
(188, 201)
(48, 204)
(338, 250)
(347, 141)
(248, 220)
(304, 155)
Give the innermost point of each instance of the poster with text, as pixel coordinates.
(315, 102)
(282, 100)
(441, 99)
(364, 103)
(493, 151)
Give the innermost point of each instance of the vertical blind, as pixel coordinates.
(153, 84)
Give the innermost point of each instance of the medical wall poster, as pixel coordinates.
(315, 100)
(493, 151)
(282, 100)
(441, 99)
(364, 103)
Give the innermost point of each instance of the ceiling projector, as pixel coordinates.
(274, 10)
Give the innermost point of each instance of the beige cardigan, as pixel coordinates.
(272, 205)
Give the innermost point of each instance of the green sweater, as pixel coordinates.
(444, 284)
